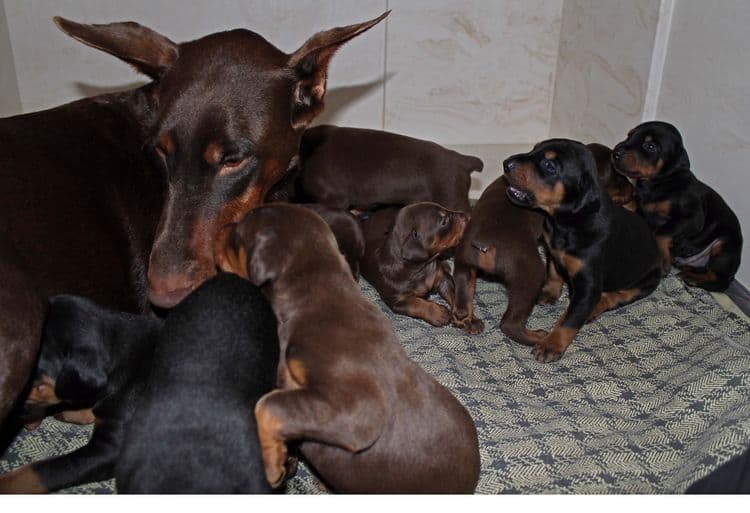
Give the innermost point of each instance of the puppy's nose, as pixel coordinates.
(509, 165)
(618, 153)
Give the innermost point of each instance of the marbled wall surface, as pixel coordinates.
(471, 71)
(603, 68)
(53, 68)
(706, 94)
(10, 100)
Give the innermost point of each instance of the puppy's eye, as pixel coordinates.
(414, 234)
(549, 165)
(650, 147)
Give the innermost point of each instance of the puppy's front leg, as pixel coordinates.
(585, 293)
(462, 308)
(338, 417)
(93, 462)
(414, 306)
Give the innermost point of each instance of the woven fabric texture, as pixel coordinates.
(648, 399)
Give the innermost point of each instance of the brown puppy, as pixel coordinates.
(351, 167)
(348, 233)
(402, 247)
(501, 240)
(368, 418)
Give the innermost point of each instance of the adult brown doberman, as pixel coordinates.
(118, 197)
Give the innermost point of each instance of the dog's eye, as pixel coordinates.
(549, 165)
(650, 147)
(414, 234)
(232, 163)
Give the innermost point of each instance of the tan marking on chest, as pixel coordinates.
(572, 264)
(662, 208)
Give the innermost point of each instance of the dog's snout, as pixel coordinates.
(509, 165)
(618, 153)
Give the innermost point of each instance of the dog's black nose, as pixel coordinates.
(618, 153)
(508, 166)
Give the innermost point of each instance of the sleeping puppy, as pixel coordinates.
(694, 228)
(402, 247)
(193, 430)
(606, 254)
(357, 168)
(367, 418)
(348, 233)
(89, 357)
(216, 353)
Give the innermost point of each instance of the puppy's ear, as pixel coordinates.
(310, 65)
(588, 195)
(414, 249)
(83, 375)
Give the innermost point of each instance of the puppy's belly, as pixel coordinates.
(697, 260)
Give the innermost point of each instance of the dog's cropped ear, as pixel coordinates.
(83, 375)
(310, 65)
(148, 51)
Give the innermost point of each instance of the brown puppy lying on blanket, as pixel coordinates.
(368, 418)
(352, 167)
(402, 247)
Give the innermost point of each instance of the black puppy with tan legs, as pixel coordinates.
(694, 227)
(189, 385)
(402, 250)
(366, 417)
(606, 254)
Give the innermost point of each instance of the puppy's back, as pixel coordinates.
(194, 430)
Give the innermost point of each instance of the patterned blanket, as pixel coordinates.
(648, 398)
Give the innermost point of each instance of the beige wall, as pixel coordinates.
(706, 94)
(603, 68)
(10, 101)
(436, 69)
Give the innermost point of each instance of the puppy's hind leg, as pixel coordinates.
(340, 418)
(523, 284)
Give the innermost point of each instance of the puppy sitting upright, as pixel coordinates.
(402, 247)
(368, 419)
(694, 227)
(606, 254)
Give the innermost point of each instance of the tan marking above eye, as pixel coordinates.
(648, 138)
(550, 155)
(213, 154)
(165, 144)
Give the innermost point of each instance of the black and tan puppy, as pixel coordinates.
(214, 357)
(617, 186)
(501, 241)
(193, 430)
(357, 168)
(606, 254)
(402, 250)
(694, 228)
(368, 419)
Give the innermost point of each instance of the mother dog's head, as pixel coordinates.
(225, 117)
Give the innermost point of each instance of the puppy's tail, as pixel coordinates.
(472, 164)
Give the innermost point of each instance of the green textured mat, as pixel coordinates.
(648, 399)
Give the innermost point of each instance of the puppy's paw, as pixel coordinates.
(544, 354)
(549, 295)
(471, 325)
(440, 316)
(666, 267)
